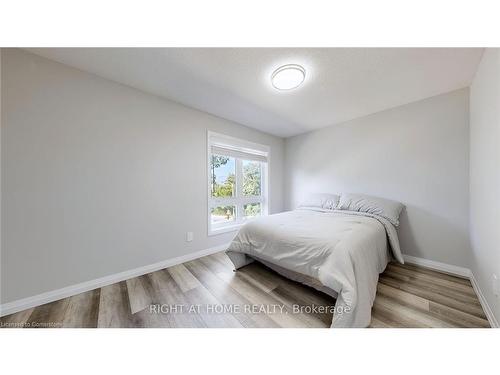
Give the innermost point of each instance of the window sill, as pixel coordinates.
(226, 229)
(230, 228)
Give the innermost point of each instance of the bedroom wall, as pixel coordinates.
(99, 178)
(417, 154)
(485, 175)
(0, 175)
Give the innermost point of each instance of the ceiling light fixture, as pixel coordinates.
(288, 77)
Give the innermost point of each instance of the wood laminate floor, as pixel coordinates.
(207, 293)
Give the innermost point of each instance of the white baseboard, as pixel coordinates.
(457, 271)
(40, 299)
(484, 304)
(438, 266)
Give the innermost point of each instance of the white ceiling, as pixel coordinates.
(234, 83)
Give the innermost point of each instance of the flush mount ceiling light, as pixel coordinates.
(288, 77)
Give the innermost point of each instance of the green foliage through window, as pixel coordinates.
(251, 178)
(223, 213)
(252, 209)
(226, 188)
(236, 190)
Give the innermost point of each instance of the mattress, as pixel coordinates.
(337, 252)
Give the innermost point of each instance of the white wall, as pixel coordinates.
(485, 175)
(417, 154)
(92, 185)
(99, 178)
(0, 175)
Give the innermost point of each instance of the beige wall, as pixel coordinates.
(485, 175)
(417, 154)
(99, 178)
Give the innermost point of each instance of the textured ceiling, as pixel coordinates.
(234, 83)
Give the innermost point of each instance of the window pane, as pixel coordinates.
(251, 210)
(223, 214)
(251, 178)
(223, 173)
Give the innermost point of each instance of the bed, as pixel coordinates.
(338, 245)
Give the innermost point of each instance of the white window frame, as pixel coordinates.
(237, 144)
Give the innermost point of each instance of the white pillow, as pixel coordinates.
(372, 205)
(323, 201)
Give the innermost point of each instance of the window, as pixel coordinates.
(237, 182)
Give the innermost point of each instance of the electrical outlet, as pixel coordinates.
(496, 285)
(189, 236)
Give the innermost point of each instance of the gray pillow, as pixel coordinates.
(323, 201)
(372, 205)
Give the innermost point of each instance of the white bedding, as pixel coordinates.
(344, 250)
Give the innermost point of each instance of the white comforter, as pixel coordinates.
(344, 250)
